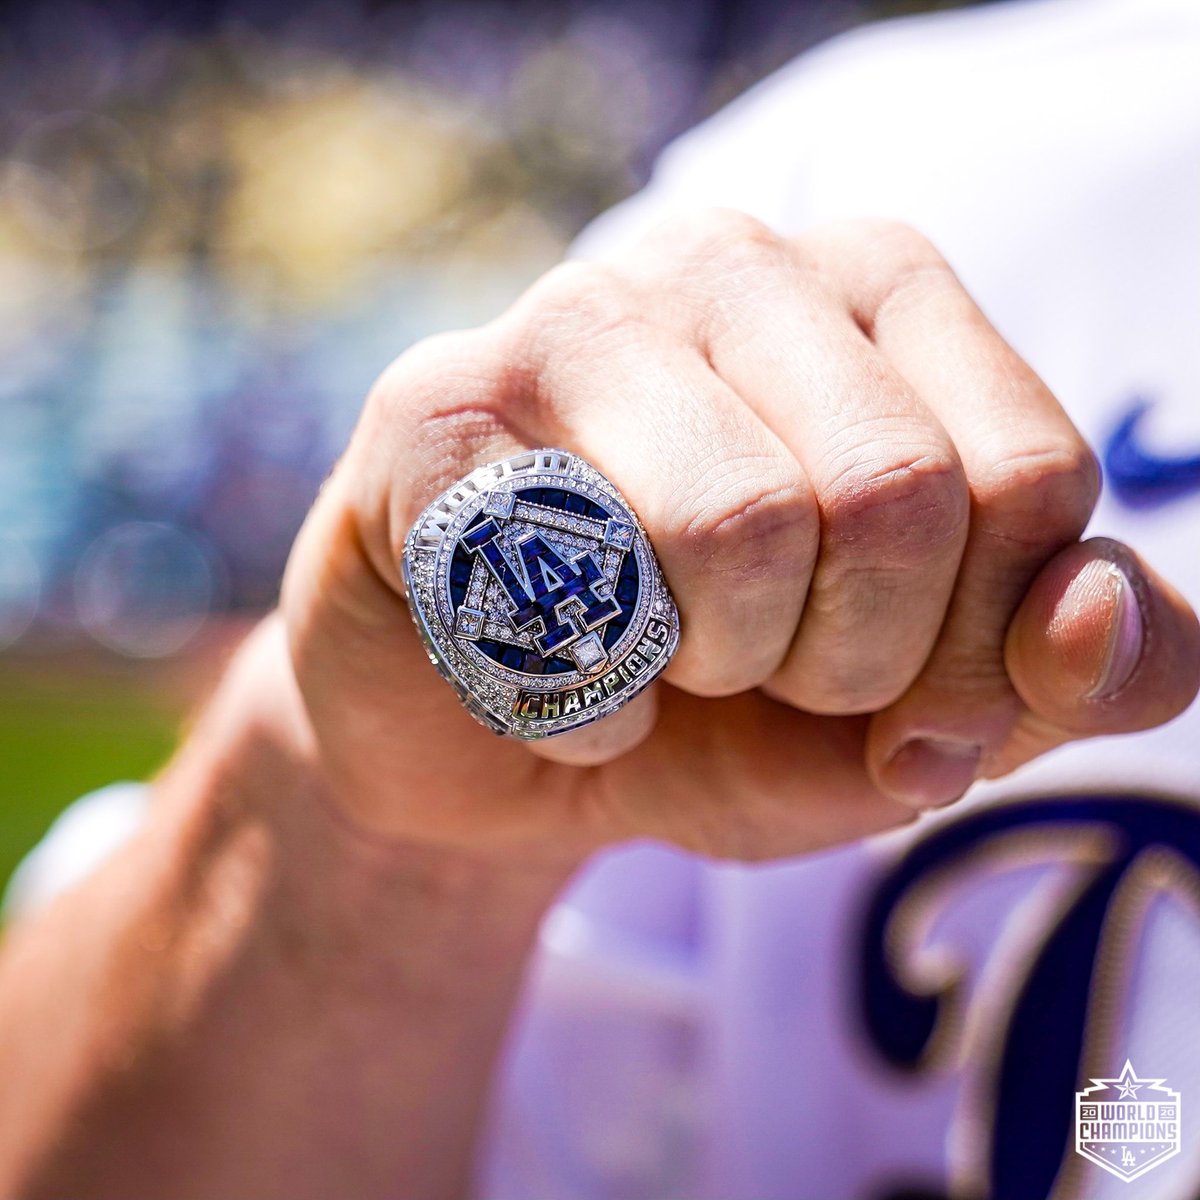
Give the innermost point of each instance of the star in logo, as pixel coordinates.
(1129, 1083)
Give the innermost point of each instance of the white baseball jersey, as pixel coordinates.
(916, 1014)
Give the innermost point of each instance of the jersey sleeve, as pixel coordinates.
(80, 840)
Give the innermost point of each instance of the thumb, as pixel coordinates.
(1102, 644)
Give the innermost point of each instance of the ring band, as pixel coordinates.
(537, 594)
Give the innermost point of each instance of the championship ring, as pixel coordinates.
(537, 595)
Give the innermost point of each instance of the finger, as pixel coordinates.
(604, 740)
(432, 423)
(444, 408)
(1102, 644)
(1033, 485)
(727, 508)
(437, 413)
(890, 490)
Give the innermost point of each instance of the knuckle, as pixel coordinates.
(887, 250)
(432, 416)
(724, 240)
(899, 247)
(572, 301)
(441, 372)
(900, 514)
(1040, 497)
(718, 265)
(888, 260)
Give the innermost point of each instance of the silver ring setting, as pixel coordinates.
(537, 594)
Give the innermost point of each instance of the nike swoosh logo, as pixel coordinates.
(1138, 477)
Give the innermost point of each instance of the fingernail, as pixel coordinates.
(929, 771)
(1125, 637)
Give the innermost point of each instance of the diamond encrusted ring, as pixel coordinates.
(537, 594)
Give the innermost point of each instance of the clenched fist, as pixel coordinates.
(868, 508)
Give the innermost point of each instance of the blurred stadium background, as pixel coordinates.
(218, 223)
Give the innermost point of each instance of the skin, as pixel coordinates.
(294, 982)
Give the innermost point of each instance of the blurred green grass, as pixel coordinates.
(61, 738)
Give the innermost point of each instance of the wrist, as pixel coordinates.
(337, 902)
(245, 959)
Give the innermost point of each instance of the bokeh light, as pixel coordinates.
(20, 590)
(144, 589)
(76, 180)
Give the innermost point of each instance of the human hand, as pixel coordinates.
(867, 506)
